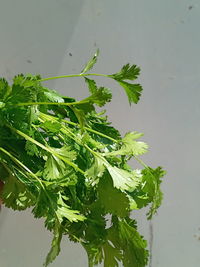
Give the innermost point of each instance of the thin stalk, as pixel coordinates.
(76, 124)
(64, 130)
(72, 75)
(52, 103)
(48, 149)
(142, 163)
(21, 165)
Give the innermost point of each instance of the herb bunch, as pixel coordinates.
(65, 160)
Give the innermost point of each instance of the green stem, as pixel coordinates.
(49, 117)
(48, 149)
(142, 163)
(72, 75)
(52, 103)
(21, 165)
(33, 175)
(64, 130)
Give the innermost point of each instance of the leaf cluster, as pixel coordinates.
(68, 163)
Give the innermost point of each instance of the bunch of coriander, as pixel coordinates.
(65, 161)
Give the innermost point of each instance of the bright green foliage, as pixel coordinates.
(113, 200)
(16, 194)
(55, 246)
(131, 147)
(128, 72)
(135, 254)
(133, 91)
(70, 165)
(91, 62)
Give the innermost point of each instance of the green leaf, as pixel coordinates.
(111, 255)
(53, 96)
(16, 195)
(80, 115)
(127, 73)
(95, 171)
(5, 89)
(123, 179)
(52, 126)
(133, 91)
(52, 207)
(24, 89)
(100, 124)
(134, 246)
(64, 211)
(46, 206)
(130, 146)
(100, 97)
(55, 245)
(27, 80)
(87, 138)
(91, 62)
(113, 200)
(54, 167)
(91, 85)
(151, 186)
(94, 253)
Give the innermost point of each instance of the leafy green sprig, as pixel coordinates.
(65, 160)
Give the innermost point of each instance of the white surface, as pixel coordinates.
(163, 38)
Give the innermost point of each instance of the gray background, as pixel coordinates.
(163, 38)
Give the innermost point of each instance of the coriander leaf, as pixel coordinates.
(55, 245)
(91, 85)
(127, 73)
(52, 95)
(94, 253)
(95, 231)
(100, 124)
(5, 90)
(111, 255)
(80, 115)
(52, 126)
(52, 207)
(95, 171)
(151, 186)
(132, 202)
(87, 138)
(130, 146)
(123, 179)
(24, 89)
(18, 117)
(91, 62)
(134, 246)
(100, 97)
(64, 211)
(67, 152)
(54, 167)
(16, 195)
(133, 91)
(113, 200)
(31, 149)
(27, 80)
(46, 206)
